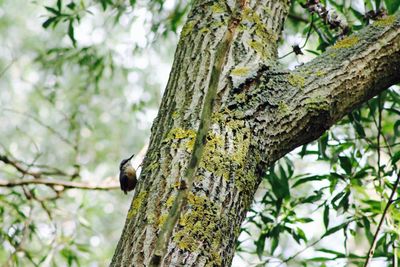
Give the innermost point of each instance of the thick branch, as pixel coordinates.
(294, 108)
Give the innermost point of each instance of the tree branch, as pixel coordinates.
(65, 184)
(295, 108)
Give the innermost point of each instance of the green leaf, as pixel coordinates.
(305, 220)
(303, 150)
(280, 185)
(321, 259)
(345, 163)
(378, 4)
(69, 255)
(52, 10)
(335, 229)
(260, 244)
(71, 32)
(309, 179)
(396, 128)
(329, 251)
(392, 5)
(48, 22)
(367, 226)
(396, 157)
(326, 216)
(71, 5)
(59, 5)
(322, 144)
(313, 198)
(337, 197)
(344, 202)
(299, 235)
(358, 15)
(368, 5)
(274, 244)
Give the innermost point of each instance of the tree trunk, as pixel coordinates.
(228, 113)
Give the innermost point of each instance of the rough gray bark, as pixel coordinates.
(229, 112)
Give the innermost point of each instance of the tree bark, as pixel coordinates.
(229, 111)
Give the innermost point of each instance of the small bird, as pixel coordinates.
(127, 175)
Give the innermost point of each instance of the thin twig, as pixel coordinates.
(375, 240)
(18, 167)
(301, 251)
(379, 126)
(64, 184)
(307, 247)
(25, 233)
(7, 67)
(305, 42)
(38, 121)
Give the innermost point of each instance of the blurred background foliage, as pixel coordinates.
(81, 81)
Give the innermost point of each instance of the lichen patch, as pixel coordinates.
(347, 42)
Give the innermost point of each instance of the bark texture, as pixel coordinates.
(229, 112)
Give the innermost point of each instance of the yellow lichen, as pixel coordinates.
(240, 71)
(241, 141)
(320, 73)
(214, 157)
(170, 201)
(217, 8)
(245, 180)
(267, 11)
(264, 34)
(152, 166)
(162, 219)
(204, 29)
(151, 218)
(187, 28)
(217, 117)
(283, 107)
(176, 185)
(347, 42)
(260, 31)
(317, 103)
(201, 224)
(178, 134)
(240, 98)
(260, 48)
(386, 21)
(296, 80)
(218, 24)
(137, 203)
(247, 14)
